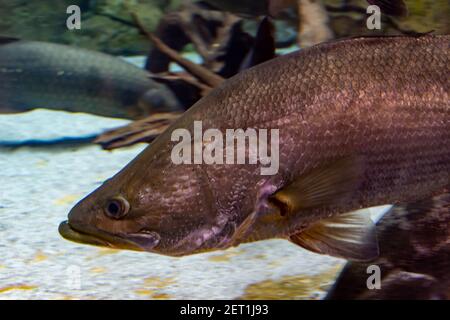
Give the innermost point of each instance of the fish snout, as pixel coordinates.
(81, 214)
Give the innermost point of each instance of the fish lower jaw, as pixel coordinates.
(96, 238)
(72, 234)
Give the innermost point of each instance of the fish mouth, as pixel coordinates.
(141, 241)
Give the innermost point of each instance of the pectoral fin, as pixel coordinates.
(350, 236)
(243, 230)
(323, 186)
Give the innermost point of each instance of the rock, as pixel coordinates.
(427, 15)
(106, 25)
(424, 16)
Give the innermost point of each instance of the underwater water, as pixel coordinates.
(49, 160)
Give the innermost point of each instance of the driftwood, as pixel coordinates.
(144, 130)
(208, 30)
(202, 73)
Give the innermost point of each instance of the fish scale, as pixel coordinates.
(376, 105)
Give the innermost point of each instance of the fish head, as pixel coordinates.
(151, 205)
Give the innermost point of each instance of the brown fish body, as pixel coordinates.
(414, 255)
(46, 75)
(379, 105)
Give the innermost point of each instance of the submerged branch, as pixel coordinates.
(203, 74)
(145, 130)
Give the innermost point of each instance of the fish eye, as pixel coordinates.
(117, 207)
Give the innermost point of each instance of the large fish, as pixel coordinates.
(362, 122)
(414, 256)
(53, 76)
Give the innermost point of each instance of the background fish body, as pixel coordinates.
(46, 75)
(381, 104)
